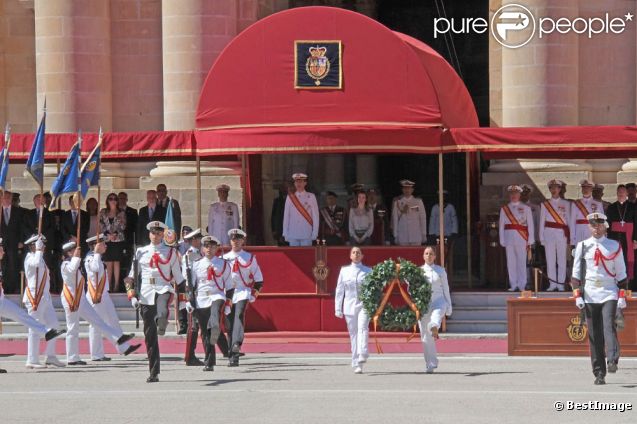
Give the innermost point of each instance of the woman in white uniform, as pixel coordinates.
(348, 305)
(439, 306)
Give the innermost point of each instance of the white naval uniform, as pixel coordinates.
(45, 314)
(439, 306)
(347, 302)
(409, 221)
(105, 309)
(243, 274)
(600, 286)
(152, 280)
(222, 217)
(515, 244)
(15, 313)
(214, 289)
(296, 230)
(535, 213)
(194, 255)
(581, 231)
(451, 220)
(71, 276)
(555, 242)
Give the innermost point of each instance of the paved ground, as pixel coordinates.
(306, 388)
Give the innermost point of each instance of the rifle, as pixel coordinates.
(137, 280)
(190, 286)
(583, 280)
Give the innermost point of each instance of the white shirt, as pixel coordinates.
(347, 300)
(210, 290)
(34, 266)
(70, 272)
(437, 277)
(295, 227)
(222, 217)
(152, 277)
(600, 285)
(361, 223)
(524, 217)
(580, 232)
(244, 275)
(95, 271)
(563, 209)
(451, 220)
(409, 220)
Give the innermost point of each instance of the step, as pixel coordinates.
(477, 326)
(478, 312)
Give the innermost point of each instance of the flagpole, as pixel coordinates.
(7, 141)
(99, 187)
(79, 191)
(42, 182)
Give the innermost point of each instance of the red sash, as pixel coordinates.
(299, 207)
(236, 267)
(582, 209)
(39, 291)
(599, 257)
(627, 229)
(155, 260)
(523, 230)
(74, 299)
(212, 276)
(96, 292)
(559, 222)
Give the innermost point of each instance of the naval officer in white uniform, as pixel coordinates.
(301, 214)
(222, 216)
(439, 306)
(598, 281)
(409, 218)
(348, 305)
(555, 214)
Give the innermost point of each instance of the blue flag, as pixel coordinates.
(4, 161)
(91, 170)
(66, 182)
(170, 220)
(35, 163)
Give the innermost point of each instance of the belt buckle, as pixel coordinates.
(598, 283)
(151, 280)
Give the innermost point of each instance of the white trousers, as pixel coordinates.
(106, 311)
(516, 265)
(433, 318)
(44, 315)
(15, 313)
(300, 242)
(556, 261)
(86, 312)
(358, 327)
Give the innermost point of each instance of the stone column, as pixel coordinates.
(334, 174)
(366, 172)
(73, 66)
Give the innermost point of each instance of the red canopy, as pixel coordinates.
(546, 142)
(396, 90)
(115, 146)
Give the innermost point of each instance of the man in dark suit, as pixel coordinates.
(129, 233)
(333, 222)
(31, 223)
(13, 236)
(69, 225)
(162, 200)
(151, 212)
(276, 219)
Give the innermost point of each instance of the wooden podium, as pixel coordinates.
(551, 327)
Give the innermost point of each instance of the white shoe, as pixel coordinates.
(358, 370)
(54, 361)
(430, 370)
(511, 289)
(35, 366)
(362, 359)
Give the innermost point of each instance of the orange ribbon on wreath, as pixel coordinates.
(395, 282)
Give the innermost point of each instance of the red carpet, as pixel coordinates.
(288, 342)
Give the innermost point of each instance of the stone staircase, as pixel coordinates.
(473, 313)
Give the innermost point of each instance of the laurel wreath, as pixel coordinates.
(382, 274)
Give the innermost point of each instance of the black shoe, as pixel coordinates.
(52, 333)
(131, 349)
(195, 362)
(234, 362)
(76, 363)
(152, 379)
(599, 380)
(241, 354)
(612, 367)
(103, 359)
(182, 331)
(208, 368)
(236, 348)
(124, 338)
(3, 371)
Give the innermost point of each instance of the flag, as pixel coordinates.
(4, 159)
(35, 163)
(91, 168)
(66, 182)
(170, 220)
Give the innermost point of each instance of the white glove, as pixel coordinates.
(338, 314)
(579, 302)
(227, 308)
(449, 310)
(621, 303)
(39, 244)
(135, 302)
(189, 308)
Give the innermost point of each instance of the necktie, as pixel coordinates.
(74, 217)
(6, 215)
(150, 212)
